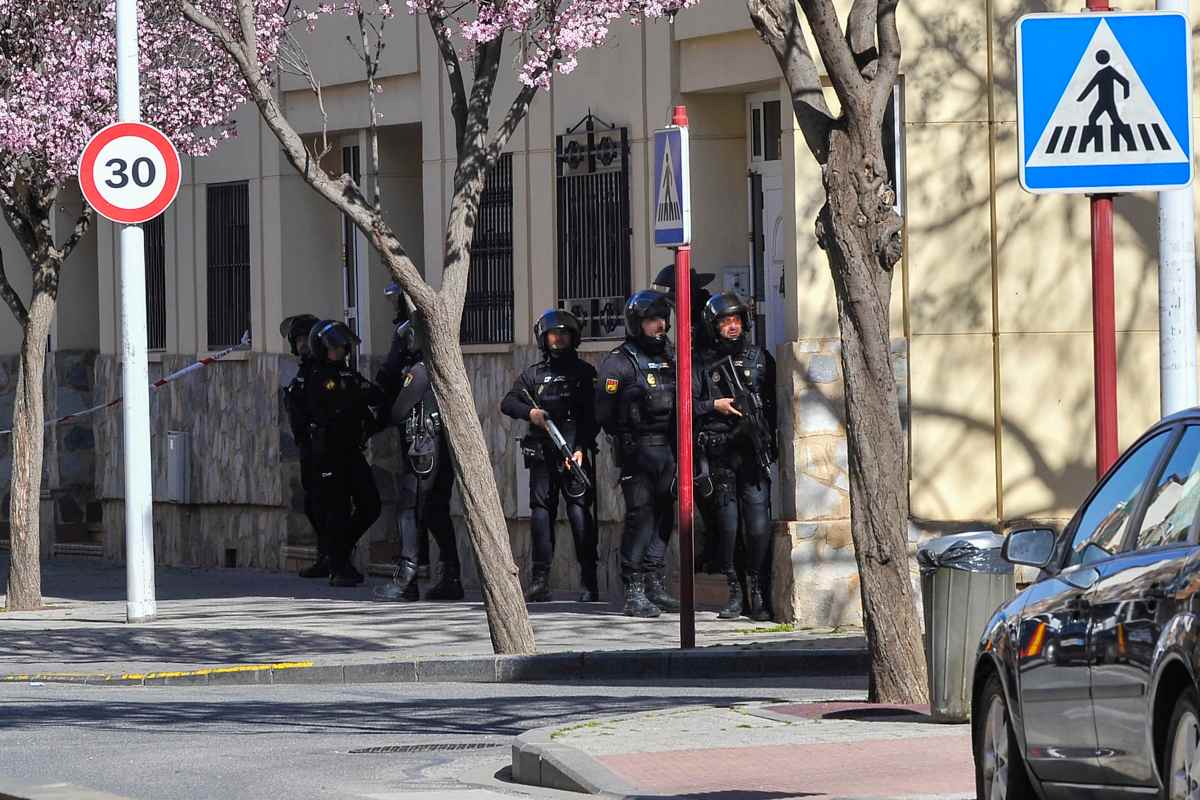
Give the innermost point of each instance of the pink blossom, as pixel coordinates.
(58, 79)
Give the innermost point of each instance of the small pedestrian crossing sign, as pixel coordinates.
(1104, 102)
(672, 193)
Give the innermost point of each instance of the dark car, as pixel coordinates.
(1085, 682)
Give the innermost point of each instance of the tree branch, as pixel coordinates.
(343, 193)
(479, 107)
(778, 24)
(458, 90)
(835, 54)
(889, 57)
(82, 224)
(516, 113)
(860, 36)
(10, 296)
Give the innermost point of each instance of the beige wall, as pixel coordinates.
(993, 294)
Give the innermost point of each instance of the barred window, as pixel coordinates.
(593, 225)
(488, 310)
(228, 263)
(154, 232)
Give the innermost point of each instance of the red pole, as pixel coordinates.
(1104, 332)
(683, 405)
(1104, 320)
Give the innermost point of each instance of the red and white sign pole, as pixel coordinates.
(683, 406)
(1104, 320)
(130, 173)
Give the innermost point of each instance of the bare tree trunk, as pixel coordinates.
(508, 620)
(852, 227)
(24, 567)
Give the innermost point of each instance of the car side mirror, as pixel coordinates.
(1029, 547)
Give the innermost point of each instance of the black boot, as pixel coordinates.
(359, 578)
(656, 592)
(539, 587)
(403, 585)
(732, 609)
(318, 569)
(636, 603)
(758, 604)
(591, 586)
(448, 588)
(345, 576)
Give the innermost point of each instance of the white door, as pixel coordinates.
(764, 122)
(775, 279)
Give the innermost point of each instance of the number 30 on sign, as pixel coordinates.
(129, 172)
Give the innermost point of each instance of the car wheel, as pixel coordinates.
(999, 768)
(1182, 755)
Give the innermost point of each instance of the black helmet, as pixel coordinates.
(410, 339)
(647, 304)
(295, 328)
(328, 334)
(664, 281)
(723, 305)
(554, 319)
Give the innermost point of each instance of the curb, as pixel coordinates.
(736, 661)
(538, 761)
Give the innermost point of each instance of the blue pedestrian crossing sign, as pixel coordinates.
(672, 188)
(1104, 102)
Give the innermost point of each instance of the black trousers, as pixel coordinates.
(348, 500)
(425, 506)
(546, 484)
(741, 501)
(312, 504)
(647, 484)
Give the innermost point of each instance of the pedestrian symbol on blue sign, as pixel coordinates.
(1104, 102)
(672, 213)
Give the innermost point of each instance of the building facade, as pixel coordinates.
(991, 320)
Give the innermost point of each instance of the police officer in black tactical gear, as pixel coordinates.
(426, 472)
(562, 385)
(664, 282)
(295, 330)
(635, 405)
(734, 388)
(334, 414)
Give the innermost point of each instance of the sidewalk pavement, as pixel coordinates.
(231, 623)
(824, 750)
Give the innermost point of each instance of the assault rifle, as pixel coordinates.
(564, 449)
(762, 438)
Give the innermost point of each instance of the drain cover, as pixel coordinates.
(430, 748)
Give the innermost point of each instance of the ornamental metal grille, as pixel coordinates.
(593, 225)
(154, 232)
(488, 309)
(228, 263)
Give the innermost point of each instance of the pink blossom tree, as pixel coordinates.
(57, 88)
(548, 35)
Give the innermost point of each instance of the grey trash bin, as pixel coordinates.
(963, 581)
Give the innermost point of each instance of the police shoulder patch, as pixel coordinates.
(407, 380)
(611, 385)
(330, 385)
(650, 379)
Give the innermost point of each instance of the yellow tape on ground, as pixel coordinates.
(138, 676)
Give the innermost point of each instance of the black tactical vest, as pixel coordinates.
(751, 368)
(656, 377)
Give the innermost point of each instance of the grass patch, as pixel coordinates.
(785, 627)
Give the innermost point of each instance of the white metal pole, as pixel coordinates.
(1177, 287)
(140, 605)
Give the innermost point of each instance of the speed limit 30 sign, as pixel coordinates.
(129, 172)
